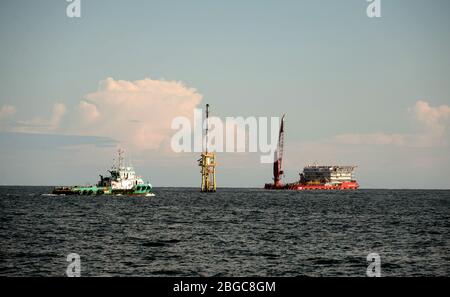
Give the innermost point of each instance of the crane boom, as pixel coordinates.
(277, 169)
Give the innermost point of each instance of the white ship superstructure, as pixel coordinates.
(123, 177)
(328, 174)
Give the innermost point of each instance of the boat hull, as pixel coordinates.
(305, 187)
(139, 190)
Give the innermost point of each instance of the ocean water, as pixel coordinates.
(234, 232)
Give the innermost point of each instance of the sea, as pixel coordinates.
(233, 232)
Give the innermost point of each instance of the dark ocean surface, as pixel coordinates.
(234, 232)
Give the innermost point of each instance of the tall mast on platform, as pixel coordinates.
(207, 162)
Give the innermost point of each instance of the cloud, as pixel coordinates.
(370, 139)
(25, 141)
(42, 125)
(137, 113)
(433, 122)
(434, 118)
(35, 125)
(7, 111)
(88, 112)
(59, 110)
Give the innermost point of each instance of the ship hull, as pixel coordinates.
(306, 187)
(140, 190)
(122, 181)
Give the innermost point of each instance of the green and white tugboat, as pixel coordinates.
(122, 181)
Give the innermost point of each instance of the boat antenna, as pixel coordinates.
(207, 126)
(130, 160)
(120, 157)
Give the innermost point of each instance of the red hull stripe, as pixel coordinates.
(300, 187)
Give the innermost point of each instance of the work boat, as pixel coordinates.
(122, 181)
(314, 177)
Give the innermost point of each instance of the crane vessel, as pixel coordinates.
(313, 177)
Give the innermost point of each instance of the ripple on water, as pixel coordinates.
(236, 232)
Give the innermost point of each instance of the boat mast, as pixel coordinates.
(120, 158)
(206, 129)
(207, 162)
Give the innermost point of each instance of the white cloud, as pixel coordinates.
(59, 110)
(137, 113)
(42, 125)
(7, 111)
(88, 111)
(434, 118)
(370, 139)
(434, 126)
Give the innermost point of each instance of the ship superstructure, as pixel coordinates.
(122, 177)
(327, 174)
(317, 177)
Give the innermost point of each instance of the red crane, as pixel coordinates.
(277, 169)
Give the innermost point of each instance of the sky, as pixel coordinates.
(371, 92)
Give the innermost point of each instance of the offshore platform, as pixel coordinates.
(207, 162)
